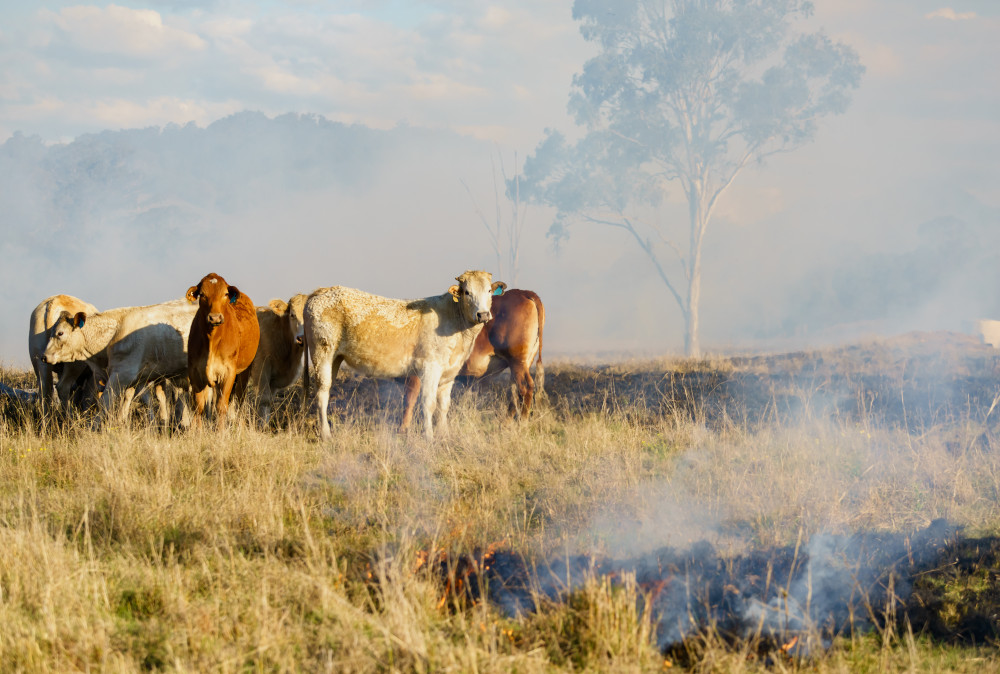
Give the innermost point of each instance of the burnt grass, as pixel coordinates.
(787, 600)
(914, 382)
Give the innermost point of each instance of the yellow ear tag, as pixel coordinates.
(454, 298)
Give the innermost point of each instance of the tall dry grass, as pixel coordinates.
(132, 549)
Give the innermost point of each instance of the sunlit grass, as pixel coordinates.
(134, 549)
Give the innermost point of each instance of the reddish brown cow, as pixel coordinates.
(222, 343)
(512, 339)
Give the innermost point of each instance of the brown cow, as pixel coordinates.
(222, 343)
(512, 339)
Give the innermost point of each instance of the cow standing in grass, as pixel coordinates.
(387, 338)
(280, 354)
(127, 347)
(222, 342)
(512, 339)
(67, 373)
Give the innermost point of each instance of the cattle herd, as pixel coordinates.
(215, 345)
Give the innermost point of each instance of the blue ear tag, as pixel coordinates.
(232, 300)
(498, 291)
(82, 321)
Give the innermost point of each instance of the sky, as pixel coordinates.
(920, 140)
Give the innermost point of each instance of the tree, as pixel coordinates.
(688, 92)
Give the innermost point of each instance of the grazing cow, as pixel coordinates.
(126, 347)
(278, 363)
(382, 337)
(69, 373)
(512, 339)
(222, 342)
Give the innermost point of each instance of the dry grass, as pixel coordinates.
(132, 549)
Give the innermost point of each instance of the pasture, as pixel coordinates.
(834, 510)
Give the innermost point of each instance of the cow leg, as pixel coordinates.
(161, 400)
(265, 401)
(43, 371)
(200, 393)
(522, 389)
(325, 367)
(222, 401)
(412, 388)
(443, 404)
(430, 378)
(539, 391)
(114, 399)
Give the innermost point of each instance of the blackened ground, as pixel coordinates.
(933, 581)
(914, 381)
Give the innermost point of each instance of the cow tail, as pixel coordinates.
(539, 368)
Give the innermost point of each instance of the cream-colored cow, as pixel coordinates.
(383, 337)
(129, 347)
(42, 319)
(278, 363)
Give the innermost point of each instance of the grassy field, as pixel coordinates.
(827, 511)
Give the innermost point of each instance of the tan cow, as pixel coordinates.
(278, 363)
(222, 342)
(127, 347)
(383, 337)
(42, 319)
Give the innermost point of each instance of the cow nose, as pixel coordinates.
(483, 316)
(215, 319)
(300, 340)
(45, 359)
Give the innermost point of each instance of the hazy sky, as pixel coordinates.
(921, 138)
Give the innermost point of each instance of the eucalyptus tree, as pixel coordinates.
(685, 92)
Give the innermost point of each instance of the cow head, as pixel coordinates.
(474, 294)
(213, 295)
(296, 306)
(66, 341)
(291, 312)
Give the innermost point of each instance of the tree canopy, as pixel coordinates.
(687, 92)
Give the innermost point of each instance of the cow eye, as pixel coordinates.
(467, 293)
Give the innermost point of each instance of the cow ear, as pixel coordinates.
(79, 319)
(192, 294)
(234, 294)
(454, 293)
(278, 306)
(499, 287)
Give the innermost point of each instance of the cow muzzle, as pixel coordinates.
(45, 359)
(484, 316)
(215, 319)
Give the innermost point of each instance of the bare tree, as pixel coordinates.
(506, 229)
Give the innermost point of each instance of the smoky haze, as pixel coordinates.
(888, 222)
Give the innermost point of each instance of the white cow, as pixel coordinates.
(42, 319)
(382, 337)
(128, 347)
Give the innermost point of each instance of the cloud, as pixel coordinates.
(950, 14)
(136, 33)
